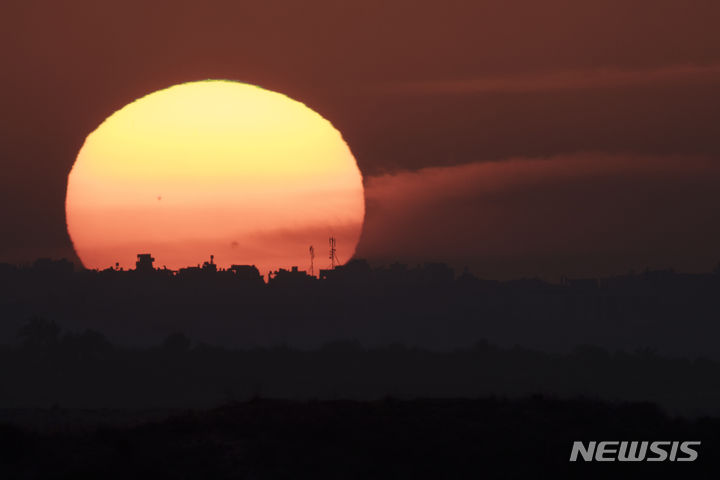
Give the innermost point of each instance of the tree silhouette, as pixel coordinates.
(39, 334)
(89, 345)
(177, 343)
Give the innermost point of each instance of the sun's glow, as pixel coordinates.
(213, 167)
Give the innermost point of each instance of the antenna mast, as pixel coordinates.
(333, 256)
(312, 261)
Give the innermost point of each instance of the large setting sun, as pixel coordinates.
(214, 168)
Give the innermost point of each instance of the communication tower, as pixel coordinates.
(333, 255)
(312, 261)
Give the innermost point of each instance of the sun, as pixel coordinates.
(214, 167)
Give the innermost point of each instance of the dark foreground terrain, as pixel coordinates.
(84, 370)
(529, 437)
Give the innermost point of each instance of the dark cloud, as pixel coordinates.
(683, 75)
(411, 131)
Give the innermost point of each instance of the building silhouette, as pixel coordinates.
(144, 263)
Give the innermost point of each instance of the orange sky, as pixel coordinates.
(414, 86)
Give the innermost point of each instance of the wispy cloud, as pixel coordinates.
(561, 80)
(579, 214)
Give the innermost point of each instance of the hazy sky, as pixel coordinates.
(515, 137)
